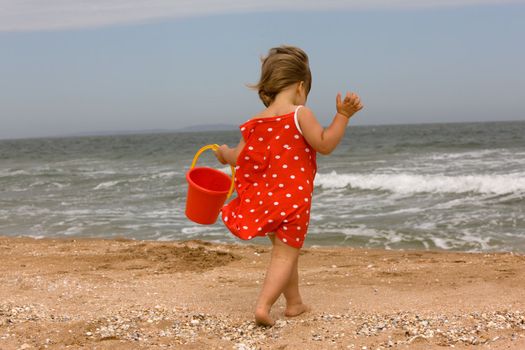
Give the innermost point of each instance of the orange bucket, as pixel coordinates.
(208, 189)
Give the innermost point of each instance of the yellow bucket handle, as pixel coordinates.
(214, 147)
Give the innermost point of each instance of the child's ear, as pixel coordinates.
(300, 86)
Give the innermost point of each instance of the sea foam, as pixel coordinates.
(414, 183)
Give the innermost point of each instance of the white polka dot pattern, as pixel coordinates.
(273, 159)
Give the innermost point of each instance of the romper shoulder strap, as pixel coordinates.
(295, 119)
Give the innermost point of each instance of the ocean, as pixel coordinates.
(457, 187)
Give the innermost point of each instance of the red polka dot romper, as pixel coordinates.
(274, 181)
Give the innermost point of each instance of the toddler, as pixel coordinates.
(275, 164)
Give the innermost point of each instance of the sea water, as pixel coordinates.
(454, 187)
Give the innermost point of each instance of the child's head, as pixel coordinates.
(284, 66)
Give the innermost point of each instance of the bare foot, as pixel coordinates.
(262, 318)
(296, 310)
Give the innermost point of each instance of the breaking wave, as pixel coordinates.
(413, 183)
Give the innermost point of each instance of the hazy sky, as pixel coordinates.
(72, 66)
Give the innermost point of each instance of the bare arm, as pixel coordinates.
(325, 140)
(227, 155)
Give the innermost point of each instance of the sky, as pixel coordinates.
(75, 67)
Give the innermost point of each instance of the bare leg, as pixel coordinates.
(294, 302)
(278, 275)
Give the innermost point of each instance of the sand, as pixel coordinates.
(127, 294)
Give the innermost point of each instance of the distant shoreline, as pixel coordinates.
(219, 127)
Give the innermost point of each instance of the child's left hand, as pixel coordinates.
(349, 106)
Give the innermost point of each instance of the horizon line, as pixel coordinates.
(110, 133)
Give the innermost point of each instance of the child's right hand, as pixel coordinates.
(349, 106)
(219, 155)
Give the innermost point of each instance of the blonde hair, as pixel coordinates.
(284, 66)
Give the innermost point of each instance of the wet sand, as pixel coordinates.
(125, 294)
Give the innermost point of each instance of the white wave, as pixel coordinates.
(59, 185)
(165, 175)
(412, 183)
(12, 172)
(17, 189)
(134, 227)
(441, 243)
(31, 211)
(482, 242)
(74, 230)
(106, 185)
(93, 173)
(360, 231)
(192, 230)
(425, 226)
(77, 212)
(171, 237)
(167, 213)
(34, 236)
(373, 214)
(469, 155)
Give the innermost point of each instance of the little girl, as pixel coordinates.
(275, 164)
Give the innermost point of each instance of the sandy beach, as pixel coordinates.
(127, 294)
